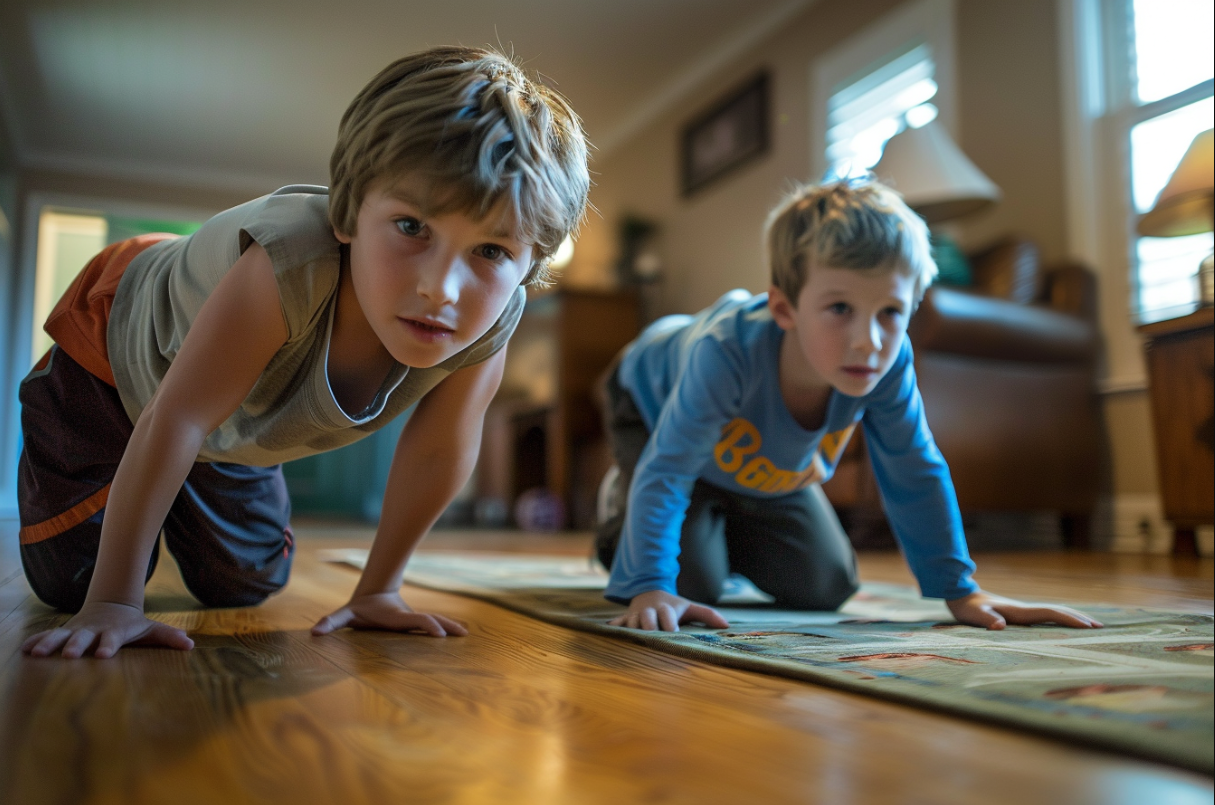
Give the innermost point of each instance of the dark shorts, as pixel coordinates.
(228, 528)
(791, 546)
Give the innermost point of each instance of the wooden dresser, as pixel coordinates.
(1180, 359)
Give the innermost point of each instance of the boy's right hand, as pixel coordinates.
(661, 611)
(108, 627)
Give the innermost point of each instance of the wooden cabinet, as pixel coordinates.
(1180, 358)
(543, 429)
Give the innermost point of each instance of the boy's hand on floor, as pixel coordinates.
(994, 612)
(104, 628)
(660, 611)
(387, 611)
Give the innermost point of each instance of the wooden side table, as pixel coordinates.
(1181, 372)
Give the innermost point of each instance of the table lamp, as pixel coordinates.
(1185, 207)
(934, 177)
(940, 183)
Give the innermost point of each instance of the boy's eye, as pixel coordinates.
(410, 226)
(839, 308)
(492, 251)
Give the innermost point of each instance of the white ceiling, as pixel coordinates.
(245, 94)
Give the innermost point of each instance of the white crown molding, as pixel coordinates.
(686, 81)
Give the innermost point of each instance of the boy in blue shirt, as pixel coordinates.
(724, 425)
(186, 370)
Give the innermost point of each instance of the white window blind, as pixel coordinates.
(866, 110)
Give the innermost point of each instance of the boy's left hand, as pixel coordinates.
(995, 612)
(390, 612)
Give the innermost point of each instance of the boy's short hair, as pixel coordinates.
(480, 130)
(860, 224)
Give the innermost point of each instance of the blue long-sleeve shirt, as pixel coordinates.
(708, 388)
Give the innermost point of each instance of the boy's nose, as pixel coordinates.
(440, 280)
(868, 337)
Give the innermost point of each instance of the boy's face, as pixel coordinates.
(848, 325)
(430, 285)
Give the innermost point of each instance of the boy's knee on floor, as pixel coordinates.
(64, 596)
(700, 589)
(230, 598)
(845, 589)
(821, 597)
(57, 584)
(233, 593)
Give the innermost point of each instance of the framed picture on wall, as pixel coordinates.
(733, 131)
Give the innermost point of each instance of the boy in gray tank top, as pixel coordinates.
(185, 370)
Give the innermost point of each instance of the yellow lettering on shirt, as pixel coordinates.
(740, 439)
(834, 443)
(757, 471)
(731, 450)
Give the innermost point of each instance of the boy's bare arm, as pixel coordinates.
(237, 332)
(433, 460)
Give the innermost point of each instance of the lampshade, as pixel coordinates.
(935, 178)
(1184, 205)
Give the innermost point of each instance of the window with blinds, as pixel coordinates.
(866, 110)
(1169, 61)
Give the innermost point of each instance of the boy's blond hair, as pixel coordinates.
(480, 131)
(859, 224)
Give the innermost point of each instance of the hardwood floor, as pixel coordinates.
(520, 711)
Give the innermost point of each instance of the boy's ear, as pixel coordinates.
(783, 312)
(341, 236)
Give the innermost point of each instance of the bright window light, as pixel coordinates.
(865, 111)
(563, 255)
(1157, 146)
(921, 115)
(1173, 46)
(1167, 281)
(66, 241)
(1166, 267)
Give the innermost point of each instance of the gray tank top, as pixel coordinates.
(291, 411)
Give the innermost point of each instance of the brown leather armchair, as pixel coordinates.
(1007, 369)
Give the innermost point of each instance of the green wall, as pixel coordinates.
(347, 483)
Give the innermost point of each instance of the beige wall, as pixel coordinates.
(710, 243)
(1132, 446)
(1008, 121)
(1009, 118)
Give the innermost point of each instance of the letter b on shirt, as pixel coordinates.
(739, 439)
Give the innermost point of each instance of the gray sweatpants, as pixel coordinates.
(791, 547)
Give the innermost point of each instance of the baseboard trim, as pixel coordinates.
(1136, 524)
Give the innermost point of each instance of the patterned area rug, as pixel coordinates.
(1142, 685)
